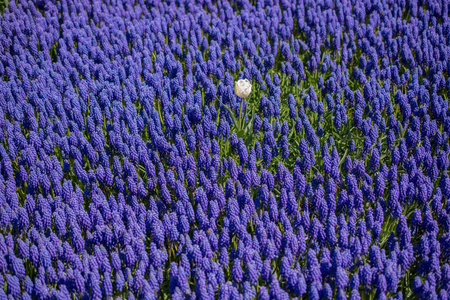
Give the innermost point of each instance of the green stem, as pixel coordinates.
(240, 115)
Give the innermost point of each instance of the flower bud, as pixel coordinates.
(243, 88)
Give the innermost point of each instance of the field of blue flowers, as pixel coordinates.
(131, 169)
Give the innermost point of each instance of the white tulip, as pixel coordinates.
(243, 88)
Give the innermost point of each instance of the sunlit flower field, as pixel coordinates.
(203, 149)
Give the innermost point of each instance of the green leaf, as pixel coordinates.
(235, 120)
(240, 133)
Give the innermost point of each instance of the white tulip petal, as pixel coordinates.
(243, 88)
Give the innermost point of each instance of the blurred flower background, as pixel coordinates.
(131, 169)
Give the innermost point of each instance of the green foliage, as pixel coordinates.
(3, 4)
